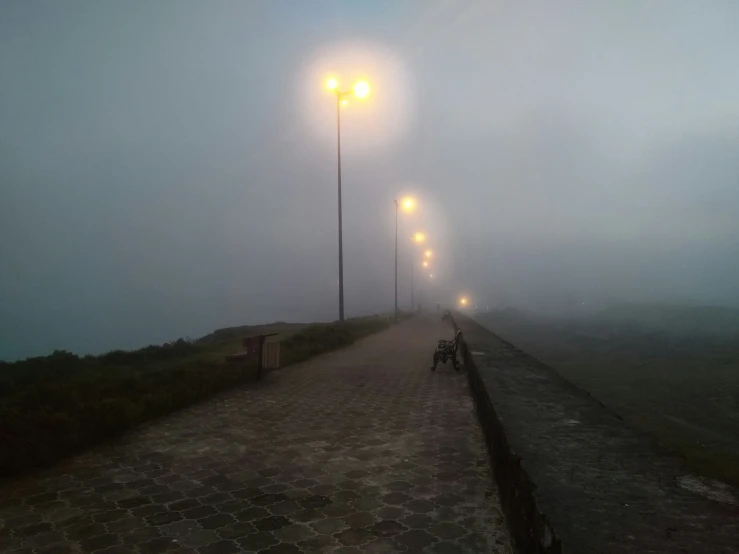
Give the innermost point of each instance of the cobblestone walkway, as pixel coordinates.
(358, 451)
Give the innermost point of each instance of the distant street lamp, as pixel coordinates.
(360, 90)
(408, 204)
(417, 238)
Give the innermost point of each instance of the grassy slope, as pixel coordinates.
(684, 391)
(55, 405)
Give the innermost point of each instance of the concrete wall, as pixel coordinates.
(573, 478)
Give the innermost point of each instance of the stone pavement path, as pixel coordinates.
(357, 451)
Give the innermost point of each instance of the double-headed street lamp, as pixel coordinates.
(361, 90)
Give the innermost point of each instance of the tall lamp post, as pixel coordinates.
(408, 206)
(360, 90)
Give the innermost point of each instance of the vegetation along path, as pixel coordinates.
(359, 450)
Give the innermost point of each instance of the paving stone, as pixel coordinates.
(318, 544)
(99, 542)
(217, 498)
(133, 502)
(348, 550)
(251, 514)
(447, 530)
(396, 498)
(383, 546)
(247, 493)
(199, 512)
(359, 519)
(445, 547)
(44, 539)
(199, 538)
(420, 506)
(294, 533)
(125, 524)
(354, 537)
(157, 546)
(285, 507)
(258, 541)
(236, 530)
(149, 510)
(220, 547)
(85, 531)
(344, 496)
(365, 504)
(282, 549)
(216, 521)
(399, 486)
(33, 529)
(68, 549)
(110, 515)
(447, 500)
(474, 542)
(370, 491)
(276, 488)
(416, 539)
(324, 489)
(387, 528)
(391, 512)
(329, 526)
(140, 536)
(182, 505)
(271, 523)
(180, 528)
(163, 518)
(315, 501)
(418, 521)
(268, 499)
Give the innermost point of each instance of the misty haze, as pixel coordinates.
(168, 192)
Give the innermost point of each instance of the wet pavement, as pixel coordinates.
(357, 451)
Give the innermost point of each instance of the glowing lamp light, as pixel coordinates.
(361, 89)
(408, 204)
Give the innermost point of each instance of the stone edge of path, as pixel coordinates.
(572, 476)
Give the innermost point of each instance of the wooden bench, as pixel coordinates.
(254, 349)
(447, 349)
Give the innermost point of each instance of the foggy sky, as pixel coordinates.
(167, 168)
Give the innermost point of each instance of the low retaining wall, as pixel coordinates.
(573, 478)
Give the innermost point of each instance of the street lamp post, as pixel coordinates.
(341, 241)
(418, 238)
(408, 204)
(396, 260)
(413, 299)
(361, 90)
